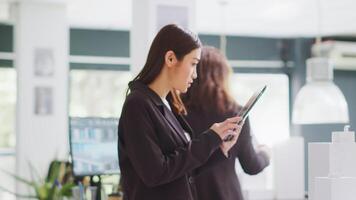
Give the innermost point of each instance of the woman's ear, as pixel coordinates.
(170, 58)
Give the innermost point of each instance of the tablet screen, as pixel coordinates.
(250, 103)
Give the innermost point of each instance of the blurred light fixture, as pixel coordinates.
(320, 101)
(223, 5)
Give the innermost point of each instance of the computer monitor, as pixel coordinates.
(93, 145)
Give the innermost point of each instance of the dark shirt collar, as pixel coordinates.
(138, 85)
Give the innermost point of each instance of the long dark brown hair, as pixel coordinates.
(209, 92)
(170, 38)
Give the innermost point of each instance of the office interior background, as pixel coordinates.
(65, 59)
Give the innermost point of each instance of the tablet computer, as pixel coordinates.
(245, 110)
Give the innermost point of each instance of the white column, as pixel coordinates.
(148, 16)
(41, 61)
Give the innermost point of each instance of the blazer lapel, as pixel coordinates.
(185, 124)
(174, 123)
(172, 120)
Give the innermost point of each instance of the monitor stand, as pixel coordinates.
(96, 181)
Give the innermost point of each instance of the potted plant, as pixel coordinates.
(56, 186)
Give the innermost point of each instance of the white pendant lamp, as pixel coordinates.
(320, 101)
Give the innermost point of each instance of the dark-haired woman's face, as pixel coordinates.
(185, 72)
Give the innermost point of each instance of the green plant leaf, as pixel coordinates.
(18, 178)
(66, 189)
(18, 195)
(44, 191)
(53, 171)
(33, 172)
(53, 190)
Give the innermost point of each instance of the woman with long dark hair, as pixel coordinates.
(208, 100)
(159, 158)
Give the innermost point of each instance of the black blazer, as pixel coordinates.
(221, 182)
(156, 160)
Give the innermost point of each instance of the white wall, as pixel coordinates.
(148, 17)
(275, 18)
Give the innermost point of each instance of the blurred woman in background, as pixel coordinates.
(207, 101)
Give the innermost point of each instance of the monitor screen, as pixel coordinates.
(93, 145)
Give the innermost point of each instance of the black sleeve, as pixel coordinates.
(251, 161)
(142, 147)
(214, 159)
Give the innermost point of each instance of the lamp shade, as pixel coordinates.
(320, 101)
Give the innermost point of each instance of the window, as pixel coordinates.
(270, 117)
(99, 93)
(7, 107)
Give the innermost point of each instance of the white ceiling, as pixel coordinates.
(111, 14)
(287, 18)
(281, 17)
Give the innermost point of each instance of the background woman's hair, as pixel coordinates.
(174, 38)
(209, 92)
